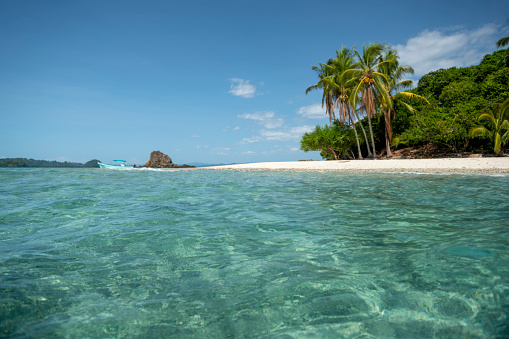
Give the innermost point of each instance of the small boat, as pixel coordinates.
(120, 165)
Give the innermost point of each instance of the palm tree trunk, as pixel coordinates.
(365, 136)
(388, 132)
(356, 136)
(372, 137)
(388, 145)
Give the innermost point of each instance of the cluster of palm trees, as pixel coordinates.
(356, 84)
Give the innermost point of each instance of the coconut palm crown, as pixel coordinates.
(343, 84)
(371, 81)
(327, 98)
(337, 88)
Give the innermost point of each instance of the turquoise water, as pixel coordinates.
(90, 253)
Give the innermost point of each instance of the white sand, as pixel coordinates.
(445, 165)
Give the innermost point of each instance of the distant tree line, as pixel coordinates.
(24, 162)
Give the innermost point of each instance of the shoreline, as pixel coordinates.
(438, 166)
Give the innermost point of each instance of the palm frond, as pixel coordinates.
(503, 42)
(311, 88)
(504, 108)
(384, 76)
(505, 137)
(412, 96)
(480, 131)
(403, 84)
(487, 116)
(410, 108)
(403, 70)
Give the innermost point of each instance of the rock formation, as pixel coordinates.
(161, 160)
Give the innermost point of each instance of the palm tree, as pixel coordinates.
(504, 61)
(503, 42)
(500, 123)
(327, 100)
(342, 85)
(336, 89)
(370, 81)
(394, 73)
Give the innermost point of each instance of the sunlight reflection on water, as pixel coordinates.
(91, 253)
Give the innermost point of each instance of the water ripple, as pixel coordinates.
(94, 253)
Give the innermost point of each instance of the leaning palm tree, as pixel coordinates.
(327, 97)
(500, 124)
(393, 83)
(370, 81)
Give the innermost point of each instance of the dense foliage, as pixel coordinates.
(458, 97)
(12, 163)
(333, 141)
(24, 162)
(443, 110)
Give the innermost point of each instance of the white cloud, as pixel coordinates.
(266, 119)
(251, 140)
(314, 111)
(294, 149)
(236, 128)
(294, 133)
(242, 88)
(249, 152)
(287, 134)
(432, 50)
(221, 149)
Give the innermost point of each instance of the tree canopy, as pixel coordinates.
(24, 162)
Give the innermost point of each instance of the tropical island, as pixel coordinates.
(157, 160)
(375, 113)
(24, 162)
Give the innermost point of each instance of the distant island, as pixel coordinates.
(24, 162)
(157, 160)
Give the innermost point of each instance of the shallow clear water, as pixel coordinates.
(90, 253)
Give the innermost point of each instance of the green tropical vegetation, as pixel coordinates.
(24, 162)
(450, 110)
(499, 135)
(503, 42)
(334, 141)
(12, 163)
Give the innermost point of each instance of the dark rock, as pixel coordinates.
(161, 160)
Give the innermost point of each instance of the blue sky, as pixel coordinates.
(202, 81)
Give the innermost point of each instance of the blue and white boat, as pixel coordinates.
(120, 165)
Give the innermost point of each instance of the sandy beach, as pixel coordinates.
(491, 165)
